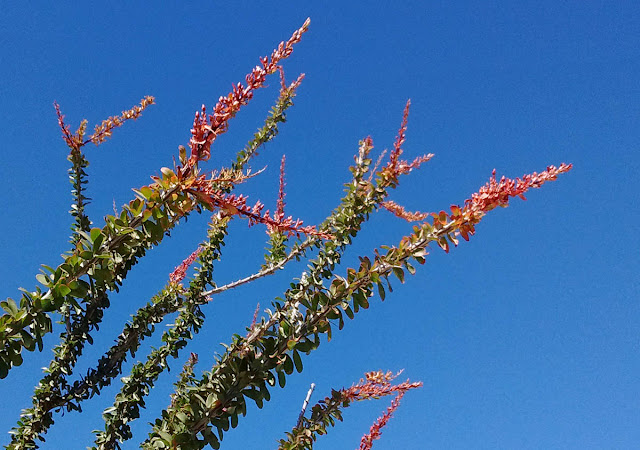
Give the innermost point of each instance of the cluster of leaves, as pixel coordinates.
(203, 408)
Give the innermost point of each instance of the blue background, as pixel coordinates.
(525, 337)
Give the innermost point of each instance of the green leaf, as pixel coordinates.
(212, 440)
(16, 358)
(43, 279)
(10, 306)
(349, 312)
(167, 172)
(80, 288)
(282, 381)
(4, 369)
(410, 268)
(146, 192)
(399, 273)
(165, 436)
(48, 268)
(252, 394)
(297, 361)
(288, 365)
(304, 346)
(358, 298)
(95, 232)
(62, 290)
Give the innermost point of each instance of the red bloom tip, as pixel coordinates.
(66, 130)
(279, 214)
(461, 221)
(366, 442)
(255, 319)
(105, 129)
(180, 272)
(497, 193)
(283, 84)
(400, 138)
(375, 385)
(294, 84)
(399, 211)
(396, 166)
(207, 128)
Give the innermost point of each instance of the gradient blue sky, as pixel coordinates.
(525, 337)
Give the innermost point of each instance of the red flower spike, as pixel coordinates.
(105, 129)
(66, 131)
(255, 319)
(294, 84)
(279, 214)
(180, 272)
(493, 194)
(366, 443)
(400, 138)
(399, 211)
(207, 128)
(377, 164)
(396, 167)
(375, 385)
(497, 193)
(283, 84)
(231, 204)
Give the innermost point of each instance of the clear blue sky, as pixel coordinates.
(525, 337)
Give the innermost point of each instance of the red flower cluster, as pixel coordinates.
(366, 442)
(400, 138)
(375, 385)
(493, 194)
(230, 205)
(461, 221)
(70, 139)
(283, 84)
(254, 321)
(497, 193)
(180, 272)
(206, 128)
(396, 167)
(105, 129)
(102, 131)
(399, 211)
(279, 214)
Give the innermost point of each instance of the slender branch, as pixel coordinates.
(305, 404)
(271, 269)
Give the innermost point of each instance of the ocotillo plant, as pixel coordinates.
(203, 407)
